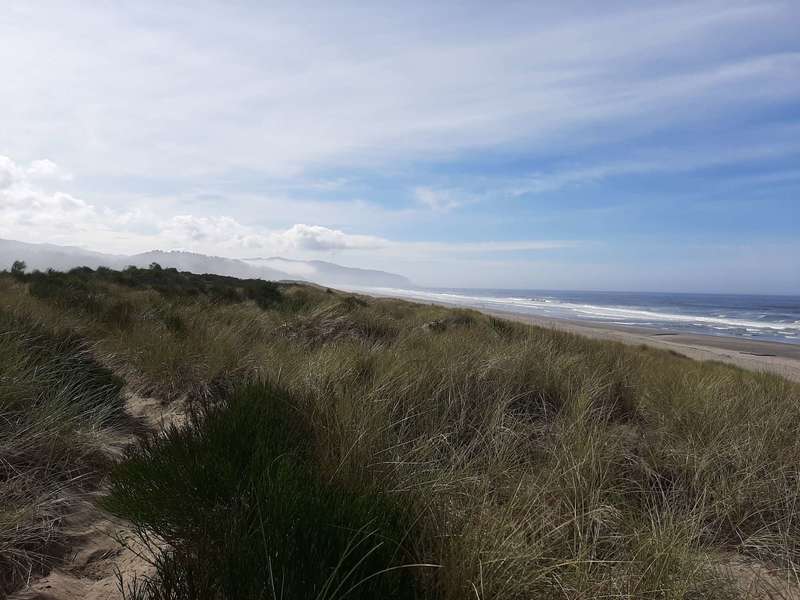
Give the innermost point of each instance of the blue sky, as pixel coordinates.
(565, 145)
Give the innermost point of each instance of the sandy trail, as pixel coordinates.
(103, 548)
(97, 559)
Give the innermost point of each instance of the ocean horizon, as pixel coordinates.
(748, 316)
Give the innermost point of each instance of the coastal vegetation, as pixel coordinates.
(338, 446)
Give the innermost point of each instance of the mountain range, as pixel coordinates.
(61, 258)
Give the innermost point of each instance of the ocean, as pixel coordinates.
(757, 317)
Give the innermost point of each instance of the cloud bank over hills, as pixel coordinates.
(61, 258)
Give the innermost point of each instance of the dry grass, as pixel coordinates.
(56, 406)
(536, 464)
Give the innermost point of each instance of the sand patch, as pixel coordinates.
(102, 548)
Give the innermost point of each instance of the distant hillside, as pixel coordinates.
(200, 263)
(51, 256)
(61, 258)
(326, 272)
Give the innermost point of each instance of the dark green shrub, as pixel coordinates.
(84, 288)
(120, 313)
(174, 323)
(73, 290)
(352, 303)
(265, 294)
(18, 269)
(245, 514)
(296, 298)
(222, 293)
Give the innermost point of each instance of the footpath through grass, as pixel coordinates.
(57, 408)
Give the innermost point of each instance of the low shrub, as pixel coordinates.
(241, 511)
(265, 294)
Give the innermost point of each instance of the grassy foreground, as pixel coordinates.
(58, 407)
(342, 447)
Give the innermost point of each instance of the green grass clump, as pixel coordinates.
(57, 406)
(244, 513)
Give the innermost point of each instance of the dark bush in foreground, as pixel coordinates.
(245, 515)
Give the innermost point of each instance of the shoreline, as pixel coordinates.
(754, 355)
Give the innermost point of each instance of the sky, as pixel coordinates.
(552, 145)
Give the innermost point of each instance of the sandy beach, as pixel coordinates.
(755, 355)
(774, 357)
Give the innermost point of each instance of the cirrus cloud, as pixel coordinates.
(438, 200)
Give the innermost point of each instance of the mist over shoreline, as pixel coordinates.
(60, 258)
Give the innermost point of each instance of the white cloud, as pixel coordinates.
(13, 174)
(30, 211)
(24, 205)
(10, 173)
(214, 234)
(438, 200)
(221, 232)
(46, 169)
(322, 239)
(227, 233)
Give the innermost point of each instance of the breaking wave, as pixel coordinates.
(718, 321)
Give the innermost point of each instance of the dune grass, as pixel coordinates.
(532, 463)
(57, 406)
(244, 513)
